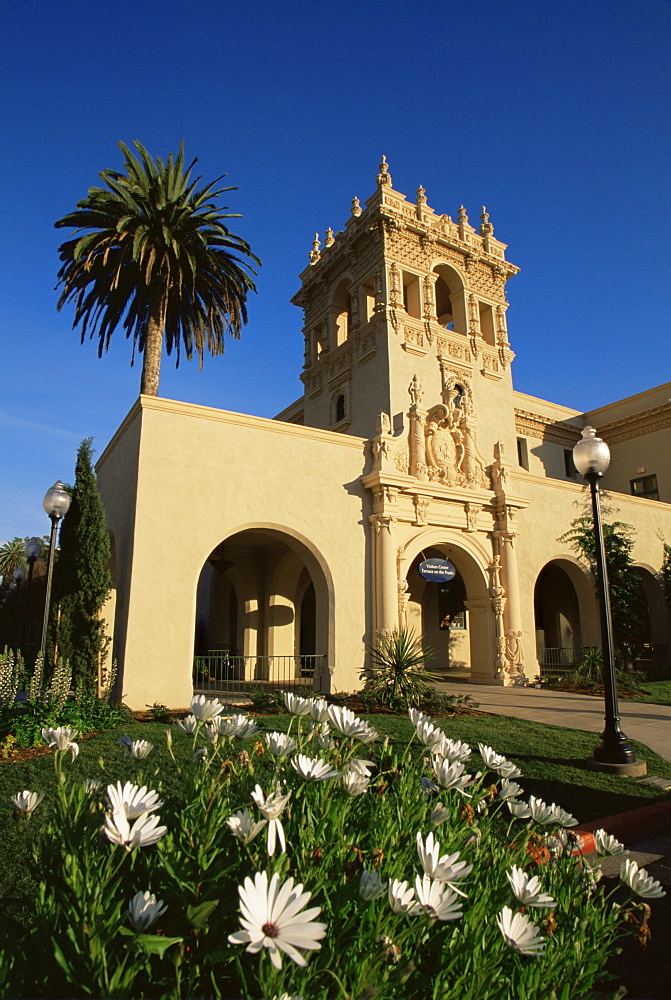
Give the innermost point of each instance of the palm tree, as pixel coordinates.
(151, 251)
(11, 557)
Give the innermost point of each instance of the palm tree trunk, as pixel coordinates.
(153, 349)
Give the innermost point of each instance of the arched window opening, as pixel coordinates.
(341, 312)
(340, 408)
(487, 328)
(412, 301)
(449, 292)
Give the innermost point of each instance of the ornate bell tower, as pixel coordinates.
(401, 294)
(406, 344)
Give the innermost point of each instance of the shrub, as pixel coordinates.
(398, 674)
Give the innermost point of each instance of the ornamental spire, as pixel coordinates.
(314, 253)
(486, 229)
(384, 177)
(356, 207)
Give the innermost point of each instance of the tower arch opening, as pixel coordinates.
(450, 298)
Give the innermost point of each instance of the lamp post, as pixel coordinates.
(591, 457)
(56, 504)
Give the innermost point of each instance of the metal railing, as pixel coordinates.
(221, 672)
(559, 661)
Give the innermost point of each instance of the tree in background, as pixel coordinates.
(83, 581)
(629, 607)
(151, 250)
(666, 574)
(11, 557)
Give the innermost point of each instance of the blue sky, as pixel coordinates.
(553, 115)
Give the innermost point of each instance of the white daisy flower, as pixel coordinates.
(436, 900)
(138, 749)
(347, 723)
(492, 759)
(429, 735)
(271, 807)
(144, 831)
(401, 898)
(606, 844)
(453, 750)
(279, 744)
(61, 739)
(509, 770)
(205, 709)
(439, 815)
(296, 705)
(371, 886)
(446, 868)
(528, 889)
(364, 767)
(91, 785)
(428, 787)
(519, 809)
(541, 812)
(144, 910)
(312, 770)
(273, 917)
(131, 800)
(562, 817)
(417, 717)
(243, 825)
(639, 881)
(26, 802)
(240, 726)
(321, 734)
(519, 932)
(355, 783)
(508, 790)
(451, 775)
(319, 709)
(211, 734)
(187, 725)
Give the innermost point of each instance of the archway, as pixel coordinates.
(455, 619)
(262, 615)
(656, 656)
(557, 617)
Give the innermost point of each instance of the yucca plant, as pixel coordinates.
(398, 674)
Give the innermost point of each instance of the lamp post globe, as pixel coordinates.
(591, 457)
(56, 504)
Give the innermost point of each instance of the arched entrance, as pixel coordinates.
(557, 615)
(261, 615)
(656, 655)
(455, 619)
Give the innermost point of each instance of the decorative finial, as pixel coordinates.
(486, 229)
(384, 177)
(421, 196)
(356, 207)
(314, 253)
(328, 239)
(463, 218)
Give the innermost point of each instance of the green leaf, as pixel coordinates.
(199, 915)
(154, 944)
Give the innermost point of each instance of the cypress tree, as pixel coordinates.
(84, 580)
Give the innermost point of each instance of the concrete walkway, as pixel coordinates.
(649, 724)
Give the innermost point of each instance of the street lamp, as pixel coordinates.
(56, 504)
(591, 457)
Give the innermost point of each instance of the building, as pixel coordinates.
(285, 545)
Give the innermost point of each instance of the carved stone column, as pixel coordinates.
(386, 576)
(512, 617)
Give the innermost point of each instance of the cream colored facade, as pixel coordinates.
(302, 535)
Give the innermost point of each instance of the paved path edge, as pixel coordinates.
(627, 826)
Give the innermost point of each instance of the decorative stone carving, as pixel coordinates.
(421, 505)
(329, 240)
(416, 391)
(314, 253)
(486, 229)
(384, 177)
(356, 207)
(379, 292)
(472, 513)
(500, 471)
(494, 571)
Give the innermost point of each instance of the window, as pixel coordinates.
(340, 409)
(523, 453)
(569, 465)
(646, 487)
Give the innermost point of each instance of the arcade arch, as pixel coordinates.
(263, 600)
(455, 619)
(565, 613)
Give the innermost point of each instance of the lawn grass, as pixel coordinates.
(655, 692)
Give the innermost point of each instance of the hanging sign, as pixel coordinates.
(438, 570)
